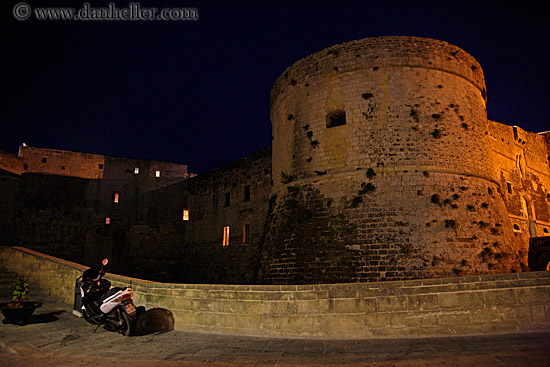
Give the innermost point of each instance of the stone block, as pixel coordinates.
(391, 304)
(428, 320)
(409, 319)
(484, 315)
(533, 295)
(500, 297)
(375, 320)
(312, 307)
(422, 302)
(538, 313)
(455, 300)
(453, 318)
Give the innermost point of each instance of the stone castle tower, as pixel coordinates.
(385, 167)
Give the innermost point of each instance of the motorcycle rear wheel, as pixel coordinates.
(128, 326)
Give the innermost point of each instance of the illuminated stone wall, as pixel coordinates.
(410, 186)
(383, 166)
(192, 251)
(488, 304)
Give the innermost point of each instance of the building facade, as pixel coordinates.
(384, 166)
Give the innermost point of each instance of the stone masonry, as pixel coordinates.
(384, 166)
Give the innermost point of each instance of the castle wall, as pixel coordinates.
(9, 184)
(503, 303)
(11, 163)
(407, 187)
(193, 250)
(62, 163)
(523, 173)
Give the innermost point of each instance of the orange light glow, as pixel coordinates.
(225, 236)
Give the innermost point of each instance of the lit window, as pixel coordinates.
(246, 193)
(115, 197)
(157, 173)
(136, 171)
(107, 220)
(185, 214)
(225, 236)
(246, 233)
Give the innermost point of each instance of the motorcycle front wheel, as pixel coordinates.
(128, 326)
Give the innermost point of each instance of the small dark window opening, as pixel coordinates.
(515, 133)
(246, 233)
(509, 187)
(336, 118)
(25, 166)
(227, 198)
(44, 160)
(101, 166)
(63, 167)
(246, 193)
(516, 227)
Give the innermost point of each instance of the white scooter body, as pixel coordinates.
(116, 299)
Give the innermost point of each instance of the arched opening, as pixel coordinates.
(336, 118)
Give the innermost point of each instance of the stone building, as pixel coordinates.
(383, 166)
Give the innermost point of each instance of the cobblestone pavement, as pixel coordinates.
(57, 338)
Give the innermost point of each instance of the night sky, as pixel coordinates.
(197, 92)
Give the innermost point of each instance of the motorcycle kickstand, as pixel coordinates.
(100, 322)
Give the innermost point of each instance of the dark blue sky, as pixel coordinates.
(198, 92)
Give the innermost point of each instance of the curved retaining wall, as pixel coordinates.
(430, 307)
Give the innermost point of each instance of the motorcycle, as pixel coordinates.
(100, 304)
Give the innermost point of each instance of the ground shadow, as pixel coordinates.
(155, 320)
(45, 317)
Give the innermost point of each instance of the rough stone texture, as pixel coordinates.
(485, 304)
(413, 185)
(192, 251)
(417, 183)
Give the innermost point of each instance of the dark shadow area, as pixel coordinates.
(155, 320)
(45, 317)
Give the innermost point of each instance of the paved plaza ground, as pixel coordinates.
(54, 337)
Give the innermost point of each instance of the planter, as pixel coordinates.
(18, 315)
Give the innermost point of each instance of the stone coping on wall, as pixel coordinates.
(484, 304)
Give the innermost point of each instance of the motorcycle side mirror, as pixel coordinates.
(105, 261)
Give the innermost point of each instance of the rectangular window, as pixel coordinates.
(509, 187)
(44, 160)
(115, 197)
(157, 173)
(246, 196)
(136, 171)
(185, 214)
(227, 198)
(246, 233)
(101, 166)
(225, 236)
(107, 220)
(25, 166)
